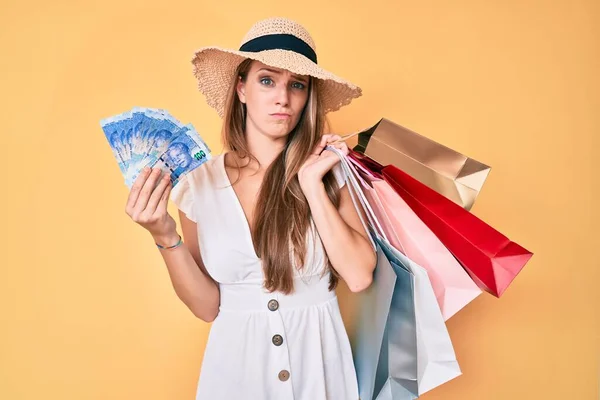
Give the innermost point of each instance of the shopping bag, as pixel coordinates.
(432, 353)
(453, 287)
(491, 259)
(385, 343)
(450, 173)
(384, 346)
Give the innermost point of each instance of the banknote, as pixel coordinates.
(117, 138)
(152, 133)
(184, 153)
(152, 137)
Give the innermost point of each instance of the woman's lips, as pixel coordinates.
(280, 115)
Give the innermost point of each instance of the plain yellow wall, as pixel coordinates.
(88, 311)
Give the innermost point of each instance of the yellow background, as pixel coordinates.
(87, 308)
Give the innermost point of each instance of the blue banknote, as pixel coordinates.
(152, 137)
(116, 134)
(153, 131)
(184, 153)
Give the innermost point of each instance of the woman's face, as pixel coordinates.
(274, 99)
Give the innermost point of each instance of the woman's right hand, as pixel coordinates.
(147, 203)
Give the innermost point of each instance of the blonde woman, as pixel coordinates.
(268, 226)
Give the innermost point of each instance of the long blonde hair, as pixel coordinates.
(282, 215)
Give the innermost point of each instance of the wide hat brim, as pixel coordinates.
(214, 68)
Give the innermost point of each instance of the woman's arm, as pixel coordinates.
(147, 206)
(343, 236)
(192, 283)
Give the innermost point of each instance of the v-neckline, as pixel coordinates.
(238, 205)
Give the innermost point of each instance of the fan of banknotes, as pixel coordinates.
(152, 137)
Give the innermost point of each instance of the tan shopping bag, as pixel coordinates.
(448, 172)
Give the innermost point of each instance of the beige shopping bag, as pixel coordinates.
(450, 173)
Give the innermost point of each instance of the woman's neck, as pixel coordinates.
(263, 148)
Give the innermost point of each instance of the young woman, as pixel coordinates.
(268, 226)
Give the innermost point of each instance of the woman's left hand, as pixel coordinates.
(320, 162)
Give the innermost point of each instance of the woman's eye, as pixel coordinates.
(266, 81)
(298, 85)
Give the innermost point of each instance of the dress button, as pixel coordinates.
(277, 340)
(284, 375)
(273, 305)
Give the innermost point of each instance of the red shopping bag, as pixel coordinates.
(491, 259)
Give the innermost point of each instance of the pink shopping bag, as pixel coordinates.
(453, 287)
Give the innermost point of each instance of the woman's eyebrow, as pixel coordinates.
(270, 70)
(297, 77)
(300, 78)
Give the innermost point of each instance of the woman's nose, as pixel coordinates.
(283, 96)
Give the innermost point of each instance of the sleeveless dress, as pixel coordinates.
(263, 346)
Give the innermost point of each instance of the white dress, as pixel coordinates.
(263, 346)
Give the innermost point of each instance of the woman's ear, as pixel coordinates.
(241, 90)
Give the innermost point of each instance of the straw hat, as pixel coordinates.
(279, 43)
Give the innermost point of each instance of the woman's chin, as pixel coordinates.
(278, 131)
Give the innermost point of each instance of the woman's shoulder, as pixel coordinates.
(207, 170)
(195, 185)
